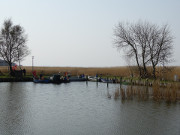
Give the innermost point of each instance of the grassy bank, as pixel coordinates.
(162, 90)
(113, 71)
(104, 71)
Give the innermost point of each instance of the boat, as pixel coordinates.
(35, 80)
(94, 79)
(57, 78)
(106, 80)
(39, 79)
(77, 78)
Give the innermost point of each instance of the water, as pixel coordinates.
(77, 109)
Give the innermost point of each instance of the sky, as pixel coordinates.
(79, 33)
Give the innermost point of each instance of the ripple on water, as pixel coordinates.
(75, 109)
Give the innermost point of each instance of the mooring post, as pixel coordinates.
(139, 81)
(147, 83)
(120, 81)
(97, 82)
(107, 81)
(86, 80)
(131, 86)
(147, 88)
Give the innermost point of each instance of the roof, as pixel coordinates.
(4, 63)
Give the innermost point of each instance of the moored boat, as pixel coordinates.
(57, 78)
(76, 79)
(41, 80)
(106, 81)
(94, 79)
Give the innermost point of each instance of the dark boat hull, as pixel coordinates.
(106, 81)
(41, 81)
(76, 79)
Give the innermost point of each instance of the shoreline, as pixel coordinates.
(24, 79)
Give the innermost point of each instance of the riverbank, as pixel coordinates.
(114, 79)
(123, 71)
(13, 79)
(168, 91)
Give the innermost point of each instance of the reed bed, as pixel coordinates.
(116, 94)
(111, 71)
(170, 93)
(104, 71)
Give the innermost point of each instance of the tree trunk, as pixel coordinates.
(11, 70)
(145, 73)
(140, 72)
(154, 71)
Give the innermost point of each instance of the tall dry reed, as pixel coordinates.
(111, 71)
(116, 93)
(170, 93)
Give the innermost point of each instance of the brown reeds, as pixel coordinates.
(132, 92)
(129, 92)
(122, 93)
(169, 93)
(157, 95)
(116, 93)
(111, 71)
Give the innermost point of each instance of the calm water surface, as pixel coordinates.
(77, 109)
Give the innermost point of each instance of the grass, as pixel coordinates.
(111, 72)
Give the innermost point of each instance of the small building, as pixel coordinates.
(4, 63)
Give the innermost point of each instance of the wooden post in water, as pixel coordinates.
(139, 81)
(146, 84)
(147, 88)
(107, 82)
(86, 80)
(97, 82)
(131, 89)
(120, 81)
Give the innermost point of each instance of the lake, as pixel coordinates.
(79, 109)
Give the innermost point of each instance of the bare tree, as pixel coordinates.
(13, 46)
(124, 39)
(149, 44)
(160, 46)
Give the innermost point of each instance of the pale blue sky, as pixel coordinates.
(80, 32)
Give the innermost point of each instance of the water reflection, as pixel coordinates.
(13, 110)
(77, 108)
(159, 94)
